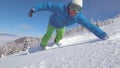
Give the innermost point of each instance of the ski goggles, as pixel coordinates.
(75, 7)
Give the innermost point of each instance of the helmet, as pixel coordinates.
(78, 2)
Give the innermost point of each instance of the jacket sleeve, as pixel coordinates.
(93, 28)
(46, 6)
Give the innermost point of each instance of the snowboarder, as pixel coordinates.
(65, 15)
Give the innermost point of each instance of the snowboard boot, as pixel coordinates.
(42, 47)
(57, 43)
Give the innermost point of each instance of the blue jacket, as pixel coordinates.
(61, 18)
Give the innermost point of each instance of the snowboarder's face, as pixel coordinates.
(73, 9)
(72, 13)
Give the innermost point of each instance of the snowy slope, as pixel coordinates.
(85, 51)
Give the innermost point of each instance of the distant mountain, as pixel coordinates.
(6, 34)
(6, 37)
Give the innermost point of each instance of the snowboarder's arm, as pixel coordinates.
(54, 7)
(47, 6)
(94, 29)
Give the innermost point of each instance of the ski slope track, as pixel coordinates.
(84, 51)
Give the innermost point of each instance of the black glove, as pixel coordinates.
(31, 13)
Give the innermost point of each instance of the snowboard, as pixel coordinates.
(37, 47)
(52, 45)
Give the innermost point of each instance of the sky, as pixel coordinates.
(14, 15)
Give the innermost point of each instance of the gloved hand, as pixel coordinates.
(107, 37)
(31, 13)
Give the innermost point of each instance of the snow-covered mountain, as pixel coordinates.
(5, 37)
(84, 51)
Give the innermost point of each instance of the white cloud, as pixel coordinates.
(25, 26)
